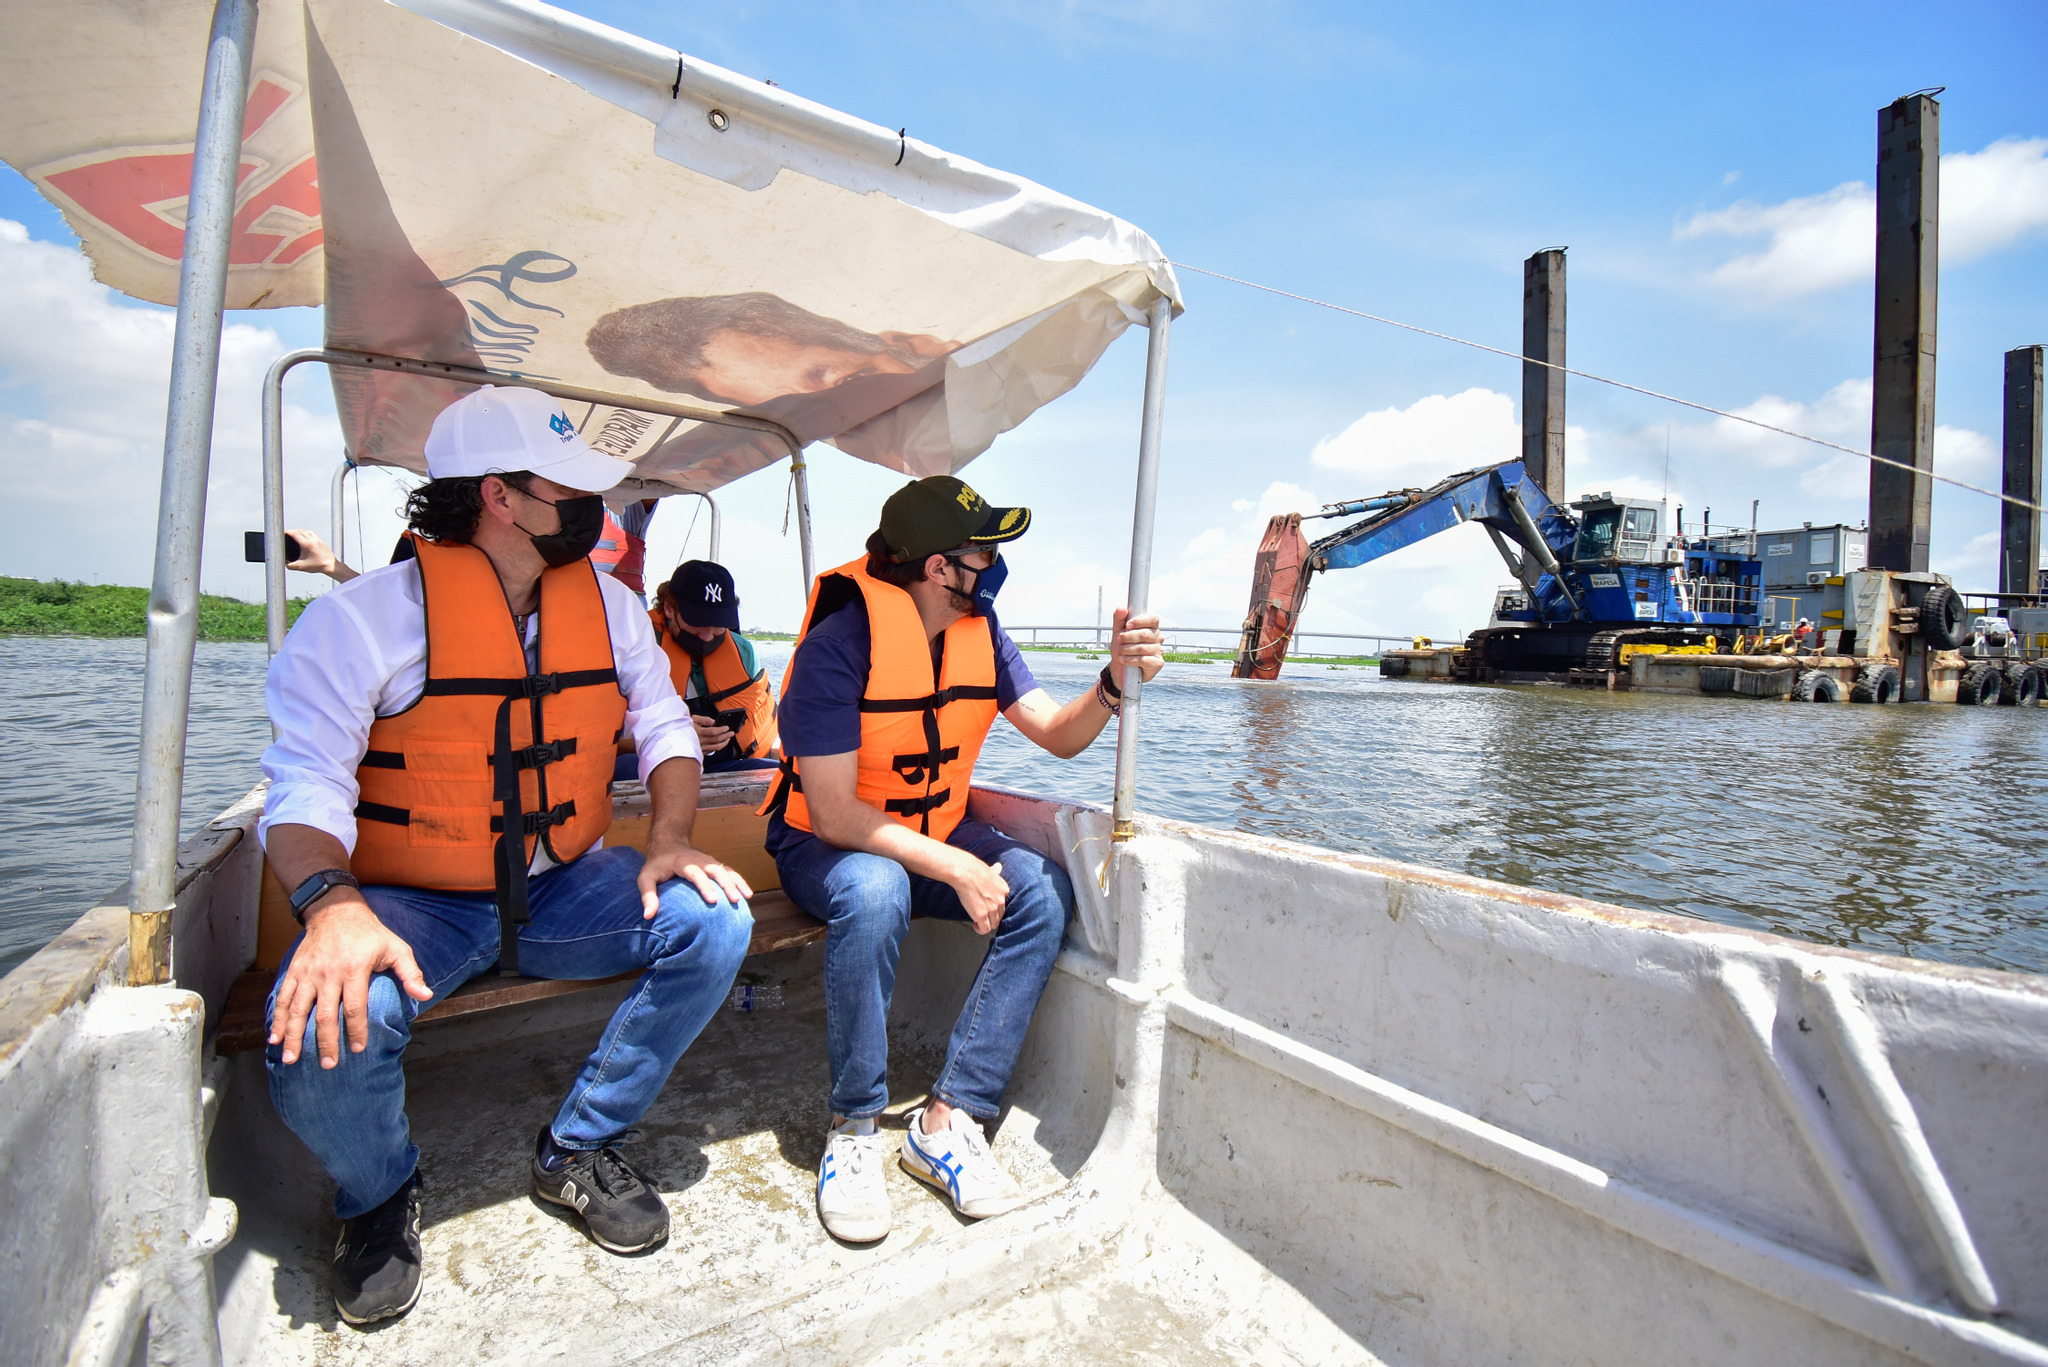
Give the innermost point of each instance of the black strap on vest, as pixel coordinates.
(919, 806)
(508, 854)
(526, 686)
(742, 686)
(930, 702)
(512, 824)
(532, 757)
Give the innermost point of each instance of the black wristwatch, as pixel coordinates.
(1115, 694)
(318, 886)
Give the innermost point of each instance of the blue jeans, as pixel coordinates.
(587, 923)
(866, 902)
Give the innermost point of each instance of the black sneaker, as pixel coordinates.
(376, 1265)
(621, 1209)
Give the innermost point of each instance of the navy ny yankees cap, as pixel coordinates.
(703, 595)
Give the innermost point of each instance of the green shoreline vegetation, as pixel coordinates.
(60, 607)
(63, 607)
(1178, 657)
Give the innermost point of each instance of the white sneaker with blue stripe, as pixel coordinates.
(957, 1161)
(853, 1190)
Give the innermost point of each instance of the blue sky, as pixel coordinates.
(1401, 160)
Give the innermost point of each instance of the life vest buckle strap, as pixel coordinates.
(914, 768)
(918, 806)
(931, 702)
(534, 756)
(533, 823)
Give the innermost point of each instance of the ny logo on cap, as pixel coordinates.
(560, 422)
(714, 593)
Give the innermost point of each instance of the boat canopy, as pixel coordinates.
(499, 185)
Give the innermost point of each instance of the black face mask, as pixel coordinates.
(696, 645)
(582, 525)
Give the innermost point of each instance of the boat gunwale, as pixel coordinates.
(1585, 908)
(93, 951)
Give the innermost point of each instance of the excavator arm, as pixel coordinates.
(1531, 533)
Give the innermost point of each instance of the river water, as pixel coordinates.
(1916, 830)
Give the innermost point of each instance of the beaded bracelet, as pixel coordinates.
(1115, 709)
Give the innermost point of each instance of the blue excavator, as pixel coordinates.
(1592, 577)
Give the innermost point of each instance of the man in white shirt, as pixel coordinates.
(439, 795)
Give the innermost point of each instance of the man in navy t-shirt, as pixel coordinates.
(895, 682)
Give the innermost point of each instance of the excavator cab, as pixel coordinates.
(1615, 529)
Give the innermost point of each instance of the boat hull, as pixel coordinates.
(1277, 1104)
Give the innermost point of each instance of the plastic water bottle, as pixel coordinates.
(747, 997)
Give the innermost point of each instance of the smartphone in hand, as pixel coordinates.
(253, 548)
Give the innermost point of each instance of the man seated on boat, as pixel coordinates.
(421, 709)
(696, 617)
(896, 680)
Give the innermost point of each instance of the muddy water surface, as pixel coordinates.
(1915, 830)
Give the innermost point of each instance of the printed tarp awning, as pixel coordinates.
(499, 184)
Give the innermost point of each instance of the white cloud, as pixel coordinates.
(1993, 197)
(1418, 445)
(1989, 200)
(1442, 585)
(83, 375)
(1817, 242)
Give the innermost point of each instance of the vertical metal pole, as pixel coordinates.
(173, 621)
(712, 549)
(1543, 387)
(2019, 539)
(1140, 591)
(273, 502)
(339, 539)
(803, 515)
(1902, 368)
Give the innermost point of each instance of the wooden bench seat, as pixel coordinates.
(778, 924)
(726, 827)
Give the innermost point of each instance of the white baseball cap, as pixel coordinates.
(501, 429)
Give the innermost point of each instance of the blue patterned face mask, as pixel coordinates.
(987, 584)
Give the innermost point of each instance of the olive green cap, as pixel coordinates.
(941, 513)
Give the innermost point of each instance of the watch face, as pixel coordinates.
(313, 888)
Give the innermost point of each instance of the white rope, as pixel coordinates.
(1618, 384)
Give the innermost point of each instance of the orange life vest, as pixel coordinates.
(728, 684)
(620, 554)
(919, 737)
(490, 747)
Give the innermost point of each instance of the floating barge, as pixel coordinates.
(1895, 656)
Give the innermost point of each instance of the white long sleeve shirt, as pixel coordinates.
(360, 652)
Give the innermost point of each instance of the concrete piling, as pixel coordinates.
(1902, 367)
(1543, 386)
(2019, 540)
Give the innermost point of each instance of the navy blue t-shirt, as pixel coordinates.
(820, 710)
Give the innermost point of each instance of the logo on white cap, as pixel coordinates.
(497, 429)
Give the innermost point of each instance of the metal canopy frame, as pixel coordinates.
(173, 619)
(273, 444)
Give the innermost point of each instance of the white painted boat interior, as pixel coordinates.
(1277, 1105)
